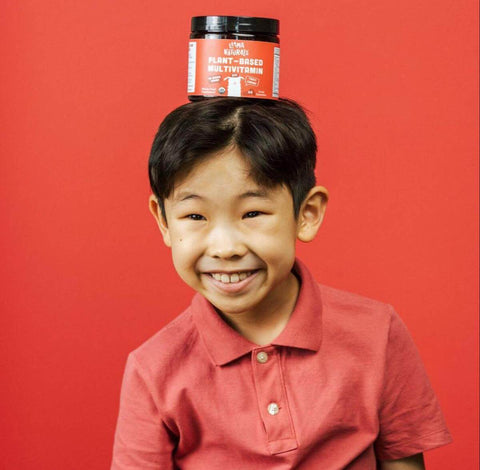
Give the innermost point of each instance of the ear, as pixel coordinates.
(312, 211)
(156, 211)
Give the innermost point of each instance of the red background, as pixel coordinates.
(392, 90)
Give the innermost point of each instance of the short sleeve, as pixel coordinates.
(142, 440)
(410, 417)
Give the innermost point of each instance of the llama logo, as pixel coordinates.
(234, 86)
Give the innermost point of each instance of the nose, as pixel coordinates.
(224, 241)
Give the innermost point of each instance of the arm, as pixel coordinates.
(415, 462)
(410, 418)
(142, 439)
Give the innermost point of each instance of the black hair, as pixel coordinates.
(275, 136)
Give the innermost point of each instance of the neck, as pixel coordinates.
(265, 324)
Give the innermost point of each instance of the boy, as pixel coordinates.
(266, 369)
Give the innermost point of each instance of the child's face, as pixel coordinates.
(231, 240)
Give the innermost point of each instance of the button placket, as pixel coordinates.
(272, 402)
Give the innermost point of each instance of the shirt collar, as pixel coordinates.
(303, 330)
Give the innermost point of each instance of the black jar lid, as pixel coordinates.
(234, 24)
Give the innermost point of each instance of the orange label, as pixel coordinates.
(226, 67)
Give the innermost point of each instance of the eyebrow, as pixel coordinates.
(185, 196)
(259, 193)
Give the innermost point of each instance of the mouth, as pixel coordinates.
(233, 282)
(231, 278)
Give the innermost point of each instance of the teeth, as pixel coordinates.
(232, 278)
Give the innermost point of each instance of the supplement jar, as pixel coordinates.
(233, 56)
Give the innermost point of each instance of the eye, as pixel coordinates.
(251, 214)
(195, 217)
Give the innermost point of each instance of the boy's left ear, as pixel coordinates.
(312, 211)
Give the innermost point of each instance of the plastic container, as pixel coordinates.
(233, 56)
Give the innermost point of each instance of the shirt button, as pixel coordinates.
(262, 357)
(273, 409)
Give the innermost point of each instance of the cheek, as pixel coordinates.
(185, 251)
(283, 245)
(179, 238)
(184, 261)
(275, 246)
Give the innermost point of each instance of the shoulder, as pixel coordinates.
(356, 318)
(174, 341)
(355, 305)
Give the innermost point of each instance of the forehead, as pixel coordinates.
(226, 173)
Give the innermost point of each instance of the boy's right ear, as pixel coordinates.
(156, 211)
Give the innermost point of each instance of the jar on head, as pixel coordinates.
(233, 56)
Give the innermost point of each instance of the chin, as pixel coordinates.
(231, 308)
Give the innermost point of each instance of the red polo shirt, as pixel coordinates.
(341, 386)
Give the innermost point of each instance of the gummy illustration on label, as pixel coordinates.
(225, 67)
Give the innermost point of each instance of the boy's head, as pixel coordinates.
(274, 136)
(234, 187)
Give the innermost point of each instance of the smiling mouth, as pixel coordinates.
(231, 278)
